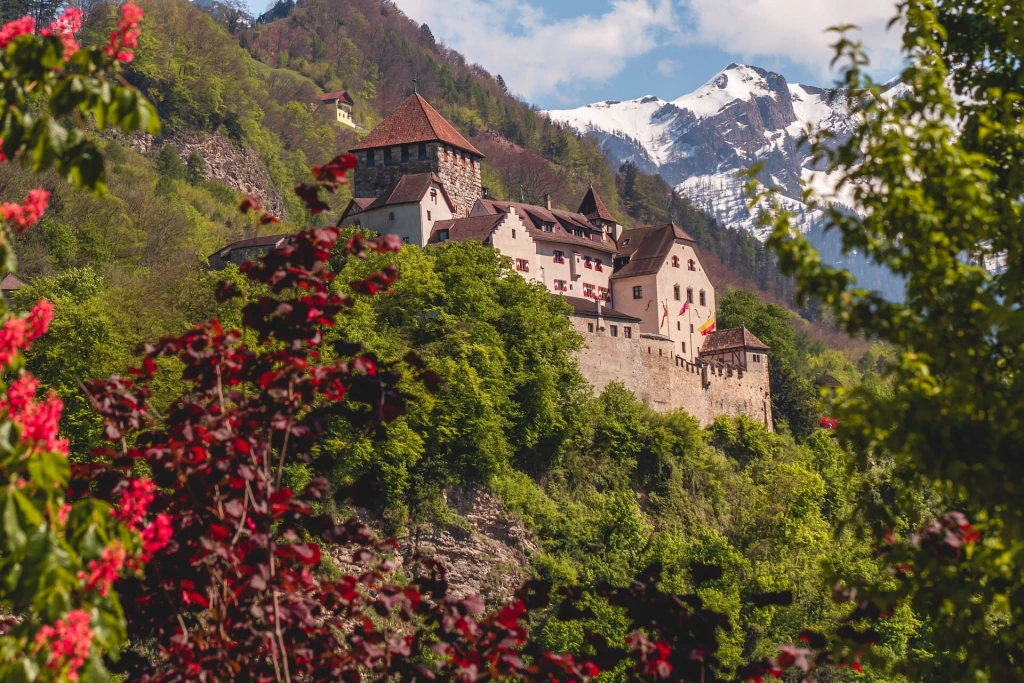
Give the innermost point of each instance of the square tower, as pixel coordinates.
(416, 139)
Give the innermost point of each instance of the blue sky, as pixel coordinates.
(566, 53)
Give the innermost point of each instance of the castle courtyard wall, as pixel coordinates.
(652, 370)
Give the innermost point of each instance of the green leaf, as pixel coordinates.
(14, 537)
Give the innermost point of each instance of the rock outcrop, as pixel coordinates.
(234, 164)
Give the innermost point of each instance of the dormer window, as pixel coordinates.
(691, 265)
(371, 158)
(675, 261)
(549, 227)
(599, 266)
(442, 235)
(405, 153)
(625, 242)
(577, 232)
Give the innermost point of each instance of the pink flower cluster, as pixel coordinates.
(26, 214)
(69, 642)
(13, 29)
(65, 27)
(104, 571)
(126, 36)
(156, 536)
(17, 334)
(135, 501)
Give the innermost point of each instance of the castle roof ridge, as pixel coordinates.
(414, 121)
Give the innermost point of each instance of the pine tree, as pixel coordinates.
(427, 36)
(501, 83)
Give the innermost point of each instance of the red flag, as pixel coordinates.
(685, 308)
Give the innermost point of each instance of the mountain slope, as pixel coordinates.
(742, 116)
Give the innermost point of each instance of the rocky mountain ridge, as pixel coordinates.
(742, 116)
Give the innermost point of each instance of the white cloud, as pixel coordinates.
(539, 56)
(793, 29)
(668, 67)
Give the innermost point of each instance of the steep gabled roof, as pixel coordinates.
(11, 282)
(647, 248)
(827, 380)
(415, 121)
(477, 228)
(563, 222)
(354, 206)
(588, 309)
(593, 207)
(411, 188)
(730, 340)
(339, 95)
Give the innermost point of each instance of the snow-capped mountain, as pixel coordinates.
(699, 142)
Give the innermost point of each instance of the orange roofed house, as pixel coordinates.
(644, 288)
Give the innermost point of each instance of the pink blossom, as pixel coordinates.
(103, 572)
(13, 29)
(68, 640)
(62, 514)
(126, 36)
(28, 213)
(39, 421)
(17, 333)
(134, 501)
(65, 27)
(38, 320)
(156, 536)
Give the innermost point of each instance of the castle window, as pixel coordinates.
(691, 329)
(615, 330)
(433, 196)
(549, 227)
(423, 151)
(513, 233)
(689, 295)
(599, 266)
(558, 257)
(679, 326)
(638, 292)
(757, 358)
(577, 232)
(428, 216)
(676, 292)
(442, 235)
(627, 332)
(391, 215)
(691, 265)
(560, 286)
(371, 158)
(590, 327)
(675, 261)
(703, 298)
(405, 240)
(588, 290)
(387, 156)
(625, 242)
(588, 262)
(684, 347)
(405, 153)
(522, 265)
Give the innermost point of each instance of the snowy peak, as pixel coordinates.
(736, 82)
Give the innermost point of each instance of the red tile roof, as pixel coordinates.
(588, 308)
(11, 282)
(412, 122)
(647, 248)
(339, 95)
(593, 207)
(410, 189)
(477, 228)
(563, 222)
(729, 340)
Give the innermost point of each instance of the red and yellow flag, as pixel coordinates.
(707, 327)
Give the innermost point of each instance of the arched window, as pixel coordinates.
(675, 292)
(703, 298)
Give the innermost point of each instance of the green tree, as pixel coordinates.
(168, 163)
(195, 168)
(936, 178)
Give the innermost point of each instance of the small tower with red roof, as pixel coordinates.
(415, 139)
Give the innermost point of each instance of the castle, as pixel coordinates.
(641, 298)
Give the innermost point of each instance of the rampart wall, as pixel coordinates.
(650, 369)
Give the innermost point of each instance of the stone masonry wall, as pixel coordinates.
(650, 369)
(460, 176)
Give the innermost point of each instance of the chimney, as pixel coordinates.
(547, 202)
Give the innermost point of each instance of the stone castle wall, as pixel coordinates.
(650, 368)
(459, 173)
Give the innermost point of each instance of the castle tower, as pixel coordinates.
(417, 139)
(597, 213)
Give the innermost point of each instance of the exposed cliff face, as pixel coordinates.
(741, 117)
(236, 165)
(485, 554)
